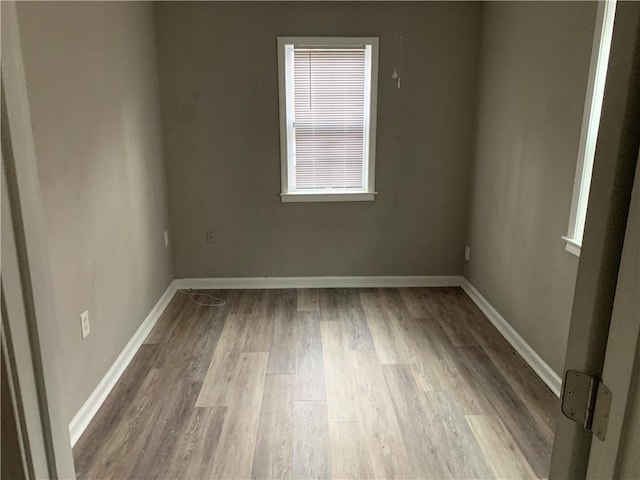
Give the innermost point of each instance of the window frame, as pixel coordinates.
(286, 138)
(590, 124)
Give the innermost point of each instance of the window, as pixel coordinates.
(590, 124)
(327, 118)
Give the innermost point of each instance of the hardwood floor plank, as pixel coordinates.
(405, 325)
(458, 449)
(341, 401)
(428, 350)
(440, 304)
(344, 305)
(114, 409)
(448, 371)
(392, 301)
(378, 420)
(413, 299)
(425, 350)
(197, 444)
(261, 327)
(503, 456)
(332, 301)
(202, 349)
(178, 308)
(311, 441)
(308, 300)
(533, 439)
(432, 368)
(191, 343)
(455, 321)
(310, 384)
(233, 300)
(252, 302)
(541, 402)
(173, 350)
(273, 455)
(390, 344)
(349, 455)
(421, 445)
(438, 440)
(219, 376)
(266, 302)
(162, 441)
(248, 302)
(282, 354)
(121, 450)
(234, 454)
(357, 329)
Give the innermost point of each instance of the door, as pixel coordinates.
(604, 319)
(614, 456)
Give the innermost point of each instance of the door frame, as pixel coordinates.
(609, 199)
(27, 289)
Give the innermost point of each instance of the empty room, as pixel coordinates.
(320, 240)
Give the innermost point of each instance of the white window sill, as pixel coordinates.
(328, 197)
(572, 246)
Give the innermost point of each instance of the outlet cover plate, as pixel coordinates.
(84, 324)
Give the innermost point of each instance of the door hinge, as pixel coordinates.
(587, 401)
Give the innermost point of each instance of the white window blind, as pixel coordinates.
(328, 117)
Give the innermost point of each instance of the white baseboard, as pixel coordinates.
(81, 420)
(537, 364)
(320, 282)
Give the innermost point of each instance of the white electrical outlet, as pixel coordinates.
(84, 323)
(166, 238)
(467, 253)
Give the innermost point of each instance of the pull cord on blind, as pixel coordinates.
(329, 119)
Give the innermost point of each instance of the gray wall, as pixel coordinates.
(93, 87)
(219, 90)
(533, 77)
(93, 90)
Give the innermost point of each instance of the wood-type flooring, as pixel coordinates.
(323, 383)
